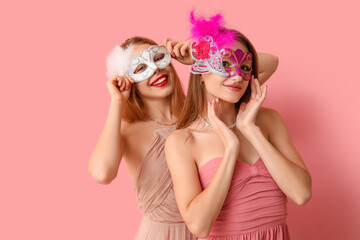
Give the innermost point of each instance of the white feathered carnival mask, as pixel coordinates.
(139, 67)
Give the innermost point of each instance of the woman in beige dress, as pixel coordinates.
(142, 114)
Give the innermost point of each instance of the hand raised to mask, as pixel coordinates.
(179, 50)
(119, 88)
(248, 111)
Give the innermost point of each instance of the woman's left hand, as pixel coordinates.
(228, 137)
(248, 111)
(179, 50)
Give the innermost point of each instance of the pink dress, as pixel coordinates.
(155, 196)
(255, 207)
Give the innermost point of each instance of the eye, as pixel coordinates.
(158, 57)
(226, 63)
(140, 68)
(245, 68)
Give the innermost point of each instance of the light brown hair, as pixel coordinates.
(195, 99)
(134, 107)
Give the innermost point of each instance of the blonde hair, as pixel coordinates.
(134, 108)
(195, 102)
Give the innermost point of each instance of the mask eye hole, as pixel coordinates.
(245, 68)
(158, 57)
(226, 63)
(141, 68)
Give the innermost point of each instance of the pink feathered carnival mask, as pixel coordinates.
(226, 62)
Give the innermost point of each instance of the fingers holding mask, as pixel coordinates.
(169, 44)
(182, 49)
(124, 82)
(185, 49)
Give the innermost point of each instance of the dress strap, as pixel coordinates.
(164, 132)
(149, 125)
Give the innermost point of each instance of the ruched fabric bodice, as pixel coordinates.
(155, 196)
(255, 207)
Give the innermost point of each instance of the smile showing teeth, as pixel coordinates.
(159, 81)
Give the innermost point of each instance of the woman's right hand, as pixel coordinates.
(119, 88)
(230, 140)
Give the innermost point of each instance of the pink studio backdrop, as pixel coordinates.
(54, 103)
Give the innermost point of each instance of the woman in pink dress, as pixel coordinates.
(146, 99)
(232, 161)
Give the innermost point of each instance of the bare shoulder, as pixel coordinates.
(271, 123)
(136, 135)
(269, 120)
(180, 137)
(125, 126)
(136, 139)
(179, 144)
(132, 128)
(268, 115)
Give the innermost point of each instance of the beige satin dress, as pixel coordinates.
(155, 196)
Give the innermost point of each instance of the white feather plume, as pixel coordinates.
(117, 62)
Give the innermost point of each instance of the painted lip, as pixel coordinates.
(233, 87)
(160, 84)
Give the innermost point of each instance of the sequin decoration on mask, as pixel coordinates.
(207, 57)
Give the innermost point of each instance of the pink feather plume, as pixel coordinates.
(214, 27)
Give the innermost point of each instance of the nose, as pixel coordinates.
(157, 70)
(236, 78)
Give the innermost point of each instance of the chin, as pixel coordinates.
(231, 98)
(164, 93)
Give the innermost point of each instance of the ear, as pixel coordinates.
(201, 78)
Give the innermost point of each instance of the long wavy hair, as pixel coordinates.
(134, 107)
(195, 102)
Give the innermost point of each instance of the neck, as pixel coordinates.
(226, 112)
(159, 109)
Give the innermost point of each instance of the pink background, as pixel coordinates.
(54, 103)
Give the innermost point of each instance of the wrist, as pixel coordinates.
(249, 130)
(118, 105)
(232, 149)
(117, 99)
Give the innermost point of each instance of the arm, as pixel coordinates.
(198, 208)
(278, 153)
(105, 159)
(267, 66)
(281, 158)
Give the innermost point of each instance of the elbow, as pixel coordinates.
(304, 193)
(202, 235)
(199, 229)
(102, 178)
(102, 175)
(275, 63)
(303, 198)
(200, 232)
